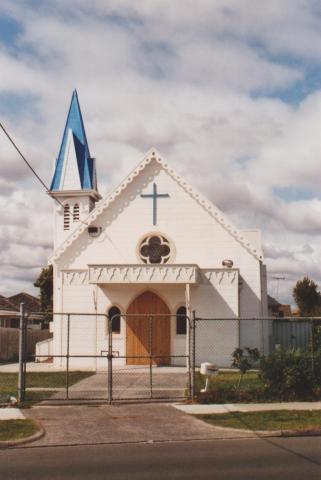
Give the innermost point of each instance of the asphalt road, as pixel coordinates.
(291, 458)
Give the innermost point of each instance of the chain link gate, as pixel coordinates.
(94, 367)
(148, 370)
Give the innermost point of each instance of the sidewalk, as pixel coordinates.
(31, 367)
(11, 414)
(197, 409)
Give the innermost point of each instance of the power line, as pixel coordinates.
(33, 170)
(24, 158)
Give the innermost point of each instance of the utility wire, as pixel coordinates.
(33, 171)
(24, 158)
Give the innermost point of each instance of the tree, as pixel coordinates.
(244, 360)
(45, 283)
(307, 297)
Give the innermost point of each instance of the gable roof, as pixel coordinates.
(154, 156)
(6, 305)
(31, 303)
(74, 138)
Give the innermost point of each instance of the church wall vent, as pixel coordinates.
(94, 231)
(66, 217)
(228, 263)
(76, 212)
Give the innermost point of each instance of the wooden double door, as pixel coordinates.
(148, 331)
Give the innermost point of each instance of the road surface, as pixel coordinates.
(287, 458)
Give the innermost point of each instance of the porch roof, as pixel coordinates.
(137, 273)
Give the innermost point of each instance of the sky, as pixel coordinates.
(228, 92)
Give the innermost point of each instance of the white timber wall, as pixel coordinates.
(198, 239)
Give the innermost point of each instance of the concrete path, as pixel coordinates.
(11, 414)
(131, 383)
(31, 367)
(197, 409)
(121, 423)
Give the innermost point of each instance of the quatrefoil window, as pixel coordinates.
(155, 249)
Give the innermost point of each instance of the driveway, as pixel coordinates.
(121, 423)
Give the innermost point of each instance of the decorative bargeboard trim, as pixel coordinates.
(154, 156)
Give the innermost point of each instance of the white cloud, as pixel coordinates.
(190, 78)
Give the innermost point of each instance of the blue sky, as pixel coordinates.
(230, 94)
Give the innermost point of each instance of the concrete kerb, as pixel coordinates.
(268, 433)
(23, 441)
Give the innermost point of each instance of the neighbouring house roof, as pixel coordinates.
(7, 305)
(272, 302)
(31, 303)
(154, 156)
(279, 309)
(74, 137)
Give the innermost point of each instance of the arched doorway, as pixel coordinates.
(144, 335)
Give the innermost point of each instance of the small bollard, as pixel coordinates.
(209, 370)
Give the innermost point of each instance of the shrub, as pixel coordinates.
(290, 373)
(244, 360)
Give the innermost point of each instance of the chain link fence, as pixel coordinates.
(216, 339)
(284, 349)
(91, 357)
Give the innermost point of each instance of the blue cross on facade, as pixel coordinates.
(154, 196)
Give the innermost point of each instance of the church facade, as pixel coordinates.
(154, 246)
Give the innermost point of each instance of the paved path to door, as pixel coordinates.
(132, 383)
(121, 423)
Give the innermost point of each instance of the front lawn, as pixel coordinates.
(305, 420)
(229, 380)
(224, 388)
(48, 380)
(17, 429)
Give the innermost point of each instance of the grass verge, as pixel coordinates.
(17, 429)
(299, 420)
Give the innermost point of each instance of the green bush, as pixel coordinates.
(291, 374)
(244, 360)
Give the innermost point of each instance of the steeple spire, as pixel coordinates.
(74, 169)
(74, 181)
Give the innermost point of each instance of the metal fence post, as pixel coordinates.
(188, 353)
(21, 381)
(110, 361)
(151, 357)
(312, 345)
(68, 355)
(193, 354)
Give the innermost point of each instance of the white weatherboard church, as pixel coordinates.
(153, 245)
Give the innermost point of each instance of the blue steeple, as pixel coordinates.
(74, 133)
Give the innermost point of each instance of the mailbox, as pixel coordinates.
(208, 369)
